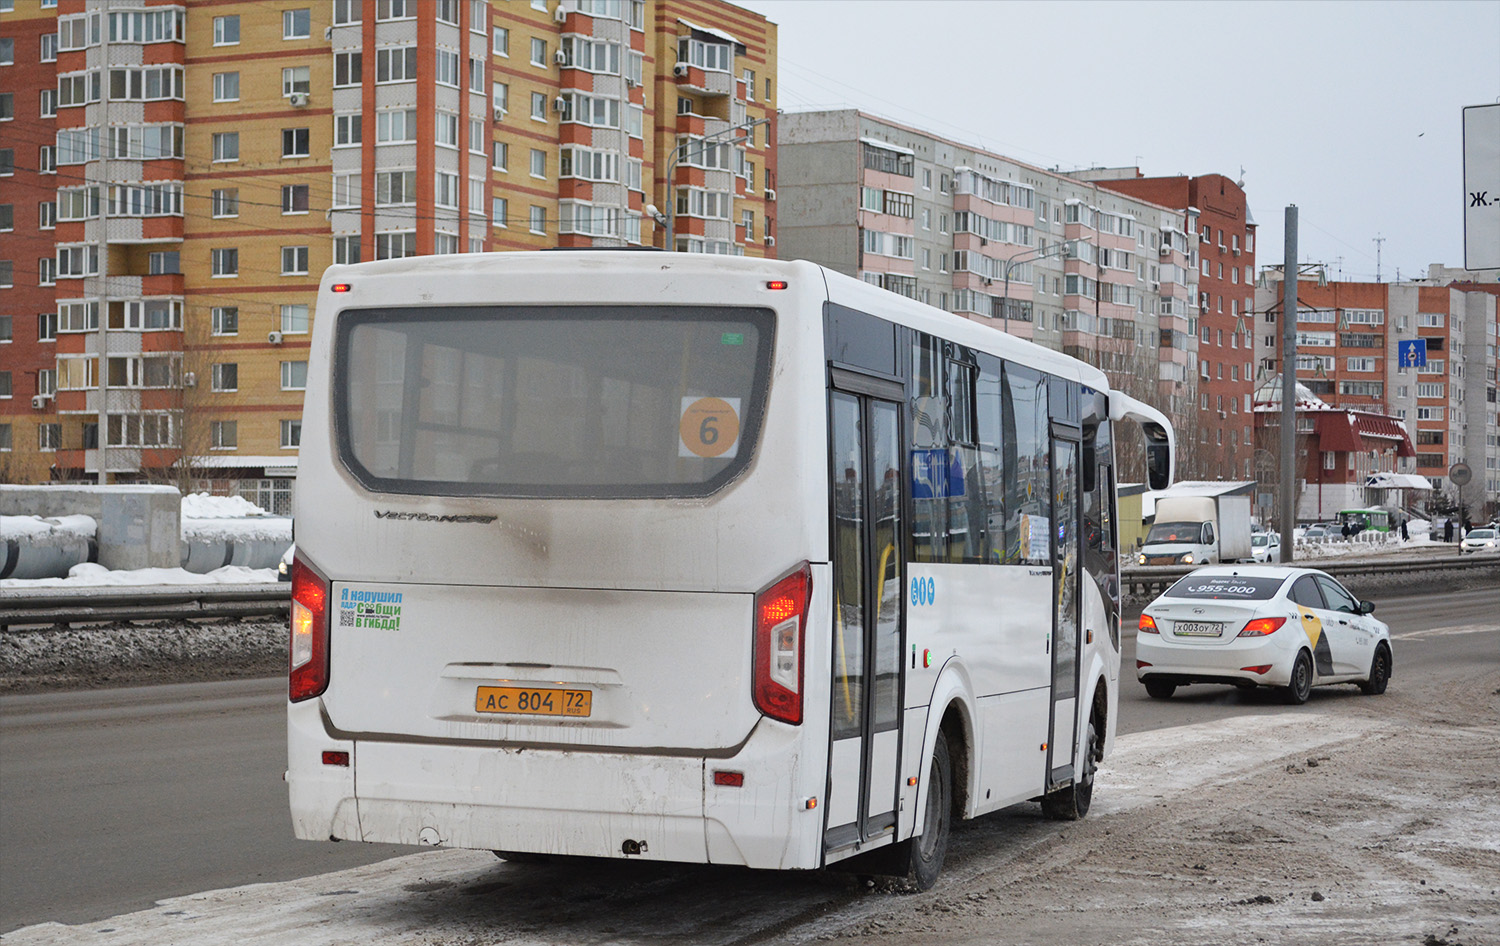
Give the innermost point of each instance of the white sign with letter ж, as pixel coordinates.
(1482, 187)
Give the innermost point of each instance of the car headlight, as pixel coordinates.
(1140, 559)
(1187, 558)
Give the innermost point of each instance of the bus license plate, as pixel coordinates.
(532, 701)
(1197, 629)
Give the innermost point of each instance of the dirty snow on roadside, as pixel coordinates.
(1360, 820)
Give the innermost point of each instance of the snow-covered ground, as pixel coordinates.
(89, 573)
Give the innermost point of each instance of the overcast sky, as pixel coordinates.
(1351, 111)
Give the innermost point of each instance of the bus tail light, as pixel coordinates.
(309, 668)
(1146, 625)
(780, 631)
(1262, 627)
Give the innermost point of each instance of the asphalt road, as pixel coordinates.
(112, 799)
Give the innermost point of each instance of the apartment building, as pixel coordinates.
(178, 175)
(1078, 267)
(1226, 295)
(1421, 352)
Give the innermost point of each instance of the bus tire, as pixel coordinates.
(922, 856)
(1072, 803)
(1380, 672)
(1299, 688)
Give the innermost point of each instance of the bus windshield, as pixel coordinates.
(591, 401)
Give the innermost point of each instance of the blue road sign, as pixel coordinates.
(1412, 353)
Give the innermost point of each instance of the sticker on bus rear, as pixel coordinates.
(376, 610)
(710, 428)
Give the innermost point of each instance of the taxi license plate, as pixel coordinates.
(534, 701)
(1197, 629)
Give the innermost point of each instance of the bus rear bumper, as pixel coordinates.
(548, 801)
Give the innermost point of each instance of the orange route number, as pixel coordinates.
(710, 427)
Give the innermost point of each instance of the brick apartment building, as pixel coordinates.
(1107, 277)
(1351, 338)
(1224, 305)
(178, 175)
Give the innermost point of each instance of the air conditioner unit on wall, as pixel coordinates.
(560, 14)
(298, 99)
(559, 57)
(40, 401)
(190, 380)
(770, 241)
(499, 114)
(770, 193)
(274, 338)
(559, 103)
(679, 70)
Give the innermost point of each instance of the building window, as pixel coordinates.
(539, 106)
(225, 262)
(445, 68)
(224, 376)
(501, 42)
(226, 87)
(164, 262)
(396, 64)
(226, 320)
(346, 249)
(346, 190)
(224, 434)
(447, 129)
(396, 126)
(538, 51)
(395, 9)
(295, 143)
(226, 146)
(226, 30)
(394, 188)
(398, 244)
(445, 189)
(538, 219)
(226, 202)
(294, 261)
(538, 163)
(348, 130)
(294, 198)
(346, 12)
(291, 434)
(348, 69)
(294, 320)
(499, 211)
(296, 24)
(296, 80)
(293, 375)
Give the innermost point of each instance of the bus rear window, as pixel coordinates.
(590, 402)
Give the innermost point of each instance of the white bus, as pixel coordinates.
(692, 558)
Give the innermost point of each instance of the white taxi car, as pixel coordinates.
(1261, 625)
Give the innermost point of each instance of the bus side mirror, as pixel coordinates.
(1158, 465)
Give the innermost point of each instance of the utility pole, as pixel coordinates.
(1289, 387)
(1377, 240)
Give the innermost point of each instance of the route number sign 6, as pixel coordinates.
(710, 427)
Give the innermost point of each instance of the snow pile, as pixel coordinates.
(217, 519)
(57, 531)
(89, 574)
(204, 506)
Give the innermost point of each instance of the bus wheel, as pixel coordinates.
(1072, 803)
(924, 853)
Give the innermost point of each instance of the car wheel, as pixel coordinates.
(1072, 803)
(1159, 689)
(1300, 687)
(1380, 672)
(923, 855)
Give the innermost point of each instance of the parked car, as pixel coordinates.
(1315, 533)
(1265, 547)
(1261, 625)
(1480, 540)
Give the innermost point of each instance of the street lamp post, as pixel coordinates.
(669, 219)
(1014, 262)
